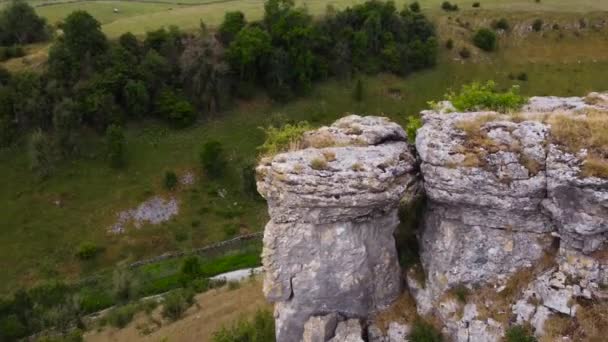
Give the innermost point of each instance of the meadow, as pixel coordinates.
(44, 222)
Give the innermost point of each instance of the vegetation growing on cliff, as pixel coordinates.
(486, 96)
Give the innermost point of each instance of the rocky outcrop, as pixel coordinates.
(329, 246)
(502, 190)
(484, 179)
(516, 209)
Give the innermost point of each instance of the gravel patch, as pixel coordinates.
(154, 211)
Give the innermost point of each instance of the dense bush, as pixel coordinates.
(170, 180)
(485, 39)
(501, 24)
(258, 329)
(176, 303)
(9, 52)
(447, 6)
(476, 4)
(519, 333)
(477, 96)
(212, 159)
(537, 25)
(87, 250)
(424, 332)
(230, 27)
(19, 24)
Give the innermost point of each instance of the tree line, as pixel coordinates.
(91, 81)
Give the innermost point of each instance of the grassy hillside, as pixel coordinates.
(43, 223)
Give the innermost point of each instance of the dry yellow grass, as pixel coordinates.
(318, 164)
(584, 132)
(329, 156)
(402, 311)
(215, 308)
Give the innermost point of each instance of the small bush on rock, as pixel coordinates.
(424, 332)
(413, 124)
(285, 138)
(519, 333)
(477, 96)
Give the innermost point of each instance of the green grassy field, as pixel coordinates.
(139, 17)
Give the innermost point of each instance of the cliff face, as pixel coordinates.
(516, 214)
(329, 245)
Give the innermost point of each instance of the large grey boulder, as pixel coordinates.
(329, 245)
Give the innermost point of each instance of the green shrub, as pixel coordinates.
(465, 53)
(258, 329)
(115, 145)
(212, 158)
(170, 180)
(120, 316)
(485, 39)
(413, 124)
(282, 139)
(449, 44)
(476, 4)
(415, 7)
(501, 24)
(449, 7)
(519, 333)
(190, 269)
(424, 332)
(87, 250)
(537, 25)
(461, 293)
(477, 96)
(92, 300)
(522, 76)
(176, 303)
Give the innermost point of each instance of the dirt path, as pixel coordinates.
(215, 309)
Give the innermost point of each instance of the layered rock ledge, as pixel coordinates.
(329, 246)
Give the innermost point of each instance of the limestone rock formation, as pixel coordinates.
(329, 245)
(484, 179)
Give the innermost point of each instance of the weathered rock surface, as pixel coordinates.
(329, 244)
(499, 191)
(483, 220)
(320, 328)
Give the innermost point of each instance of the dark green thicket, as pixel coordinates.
(519, 333)
(423, 331)
(19, 24)
(485, 39)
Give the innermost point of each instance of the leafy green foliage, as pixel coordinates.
(40, 154)
(66, 121)
(233, 23)
(283, 138)
(247, 52)
(176, 303)
(518, 333)
(115, 142)
(448, 6)
(424, 332)
(136, 98)
(191, 268)
(19, 24)
(212, 158)
(258, 329)
(87, 250)
(477, 96)
(537, 25)
(485, 39)
(170, 180)
(413, 124)
(501, 24)
(175, 109)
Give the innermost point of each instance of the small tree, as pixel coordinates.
(170, 180)
(234, 21)
(415, 7)
(66, 120)
(40, 154)
(537, 25)
(212, 158)
(501, 24)
(136, 98)
(485, 39)
(115, 144)
(358, 92)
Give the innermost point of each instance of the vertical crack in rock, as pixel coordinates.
(329, 246)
